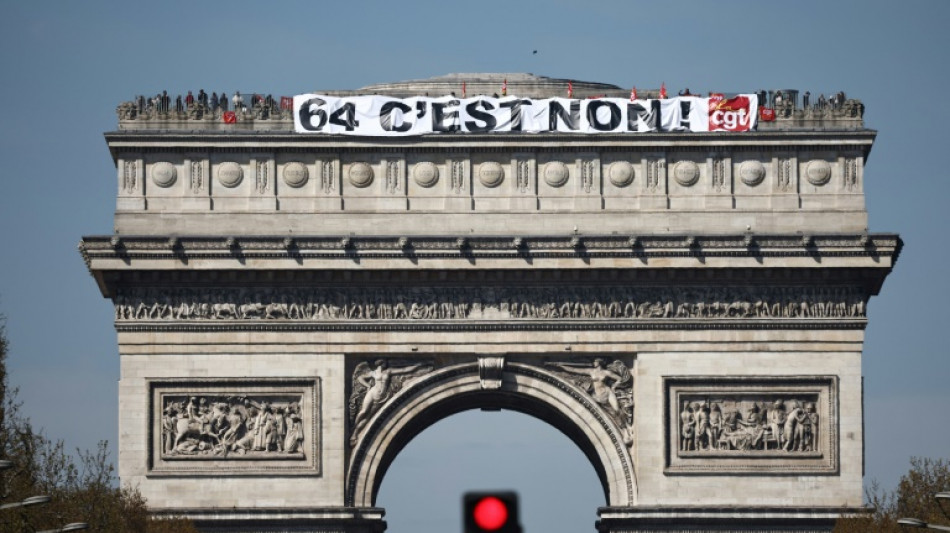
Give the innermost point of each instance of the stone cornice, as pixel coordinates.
(296, 248)
(865, 259)
(258, 141)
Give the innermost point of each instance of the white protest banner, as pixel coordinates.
(382, 116)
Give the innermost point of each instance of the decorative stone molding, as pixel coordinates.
(718, 174)
(425, 174)
(261, 176)
(230, 174)
(129, 176)
(458, 176)
(524, 176)
(197, 177)
(296, 174)
(620, 174)
(686, 173)
(491, 174)
(784, 178)
(556, 174)
(775, 425)
(818, 172)
(751, 173)
(327, 177)
(851, 174)
(360, 175)
(226, 426)
(164, 174)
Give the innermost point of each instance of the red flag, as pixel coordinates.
(663, 90)
(504, 88)
(766, 114)
(570, 90)
(633, 94)
(463, 89)
(286, 102)
(230, 117)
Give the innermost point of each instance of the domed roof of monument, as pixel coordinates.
(490, 84)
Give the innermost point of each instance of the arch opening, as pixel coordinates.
(525, 389)
(475, 450)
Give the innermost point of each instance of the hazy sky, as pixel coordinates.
(65, 66)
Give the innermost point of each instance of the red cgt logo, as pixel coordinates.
(733, 114)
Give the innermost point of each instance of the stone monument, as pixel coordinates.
(689, 308)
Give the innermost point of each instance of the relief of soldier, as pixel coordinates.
(217, 426)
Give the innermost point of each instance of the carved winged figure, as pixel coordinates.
(611, 386)
(373, 386)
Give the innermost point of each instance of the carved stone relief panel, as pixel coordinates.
(164, 174)
(360, 175)
(230, 174)
(295, 174)
(818, 172)
(425, 174)
(751, 172)
(609, 384)
(234, 427)
(491, 174)
(620, 173)
(375, 383)
(686, 173)
(757, 424)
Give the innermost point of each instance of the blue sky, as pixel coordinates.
(65, 66)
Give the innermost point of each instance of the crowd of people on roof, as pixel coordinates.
(163, 103)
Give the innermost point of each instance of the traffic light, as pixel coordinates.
(490, 512)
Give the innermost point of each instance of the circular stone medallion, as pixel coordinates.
(752, 172)
(556, 174)
(361, 175)
(491, 174)
(620, 173)
(164, 174)
(686, 173)
(426, 174)
(818, 172)
(296, 174)
(230, 174)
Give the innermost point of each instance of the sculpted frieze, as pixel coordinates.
(752, 424)
(225, 426)
(258, 426)
(490, 303)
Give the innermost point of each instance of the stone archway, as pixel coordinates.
(522, 387)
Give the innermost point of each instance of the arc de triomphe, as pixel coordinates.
(689, 308)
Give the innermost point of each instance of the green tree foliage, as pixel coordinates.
(83, 489)
(914, 498)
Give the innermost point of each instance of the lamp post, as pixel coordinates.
(75, 526)
(941, 497)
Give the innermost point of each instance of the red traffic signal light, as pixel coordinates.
(490, 512)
